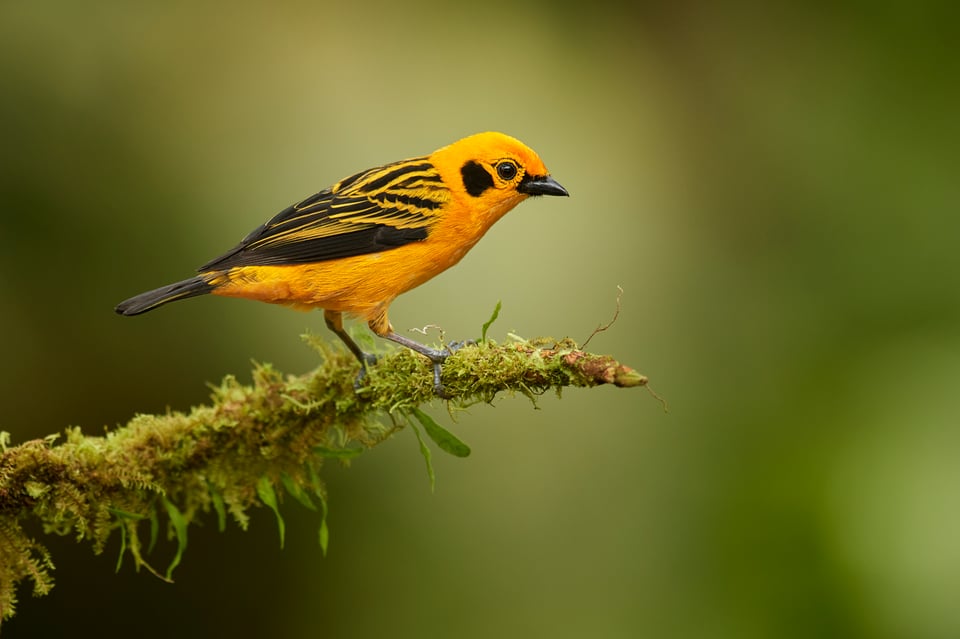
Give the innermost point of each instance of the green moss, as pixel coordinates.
(231, 454)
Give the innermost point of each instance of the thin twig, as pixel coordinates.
(616, 314)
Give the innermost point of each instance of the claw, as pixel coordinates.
(453, 347)
(437, 358)
(369, 359)
(438, 388)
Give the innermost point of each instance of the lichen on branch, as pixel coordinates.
(251, 443)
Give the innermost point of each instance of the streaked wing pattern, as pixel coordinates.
(372, 211)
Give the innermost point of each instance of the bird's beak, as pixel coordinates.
(540, 185)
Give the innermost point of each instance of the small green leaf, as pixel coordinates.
(269, 497)
(297, 492)
(123, 517)
(123, 544)
(337, 453)
(154, 529)
(426, 456)
(180, 530)
(217, 500)
(489, 322)
(324, 537)
(125, 514)
(443, 438)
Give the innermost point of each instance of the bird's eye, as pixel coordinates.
(507, 171)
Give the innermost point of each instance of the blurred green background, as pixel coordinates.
(776, 190)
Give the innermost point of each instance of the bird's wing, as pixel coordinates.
(369, 212)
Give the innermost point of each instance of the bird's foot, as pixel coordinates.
(438, 357)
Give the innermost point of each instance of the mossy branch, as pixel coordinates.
(231, 454)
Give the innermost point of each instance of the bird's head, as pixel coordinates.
(494, 172)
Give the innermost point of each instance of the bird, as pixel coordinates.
(351, 249)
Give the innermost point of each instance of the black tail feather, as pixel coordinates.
(158, 297)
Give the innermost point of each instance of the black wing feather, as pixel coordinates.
(372, 239)
(378, 210)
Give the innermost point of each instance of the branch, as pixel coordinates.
(232, 453)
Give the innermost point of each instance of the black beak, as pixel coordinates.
(540, 185)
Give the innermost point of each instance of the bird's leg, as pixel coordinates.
(334, 321)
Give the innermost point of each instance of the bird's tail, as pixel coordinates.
(158, 297)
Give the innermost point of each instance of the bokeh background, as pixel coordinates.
(776, 190)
